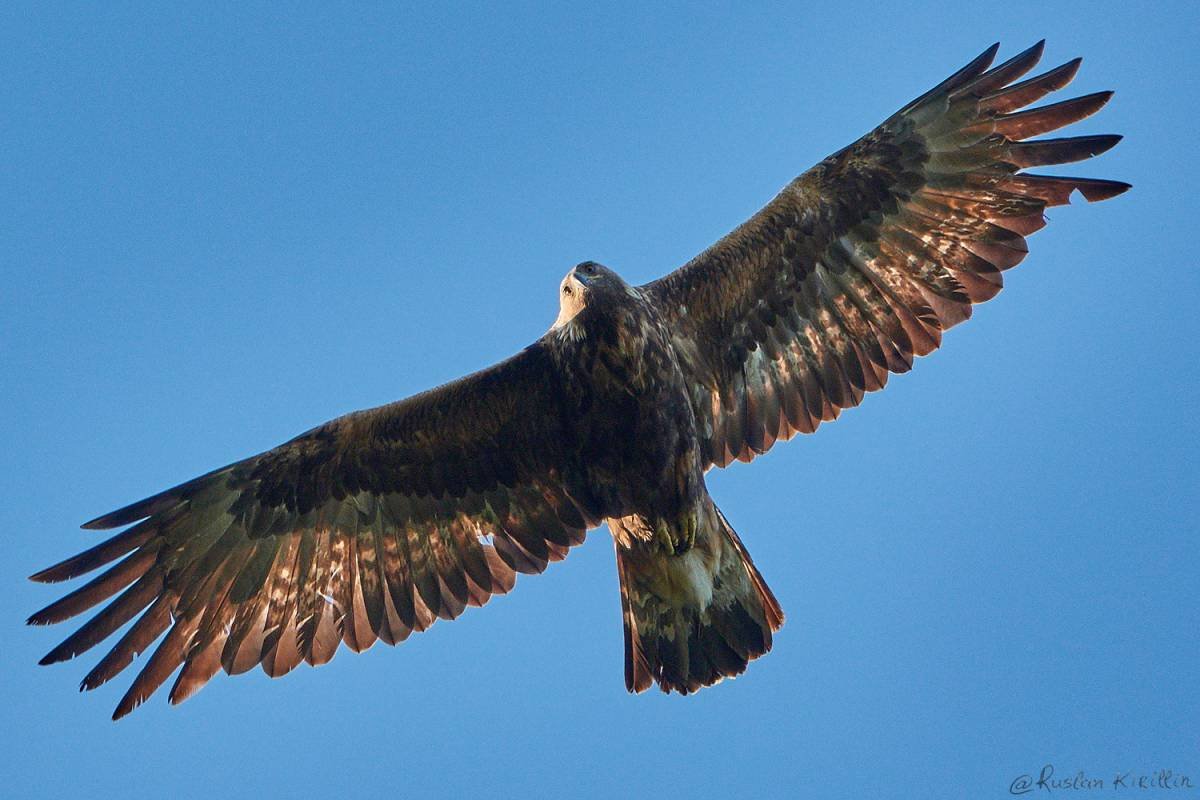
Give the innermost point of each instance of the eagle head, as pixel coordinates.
(585, 284)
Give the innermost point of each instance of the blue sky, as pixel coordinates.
(223, 225)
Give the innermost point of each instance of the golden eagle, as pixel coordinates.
(377, 524)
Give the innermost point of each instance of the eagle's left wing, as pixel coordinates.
(371, 526)
(859, 264)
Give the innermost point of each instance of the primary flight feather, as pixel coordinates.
(377, 524)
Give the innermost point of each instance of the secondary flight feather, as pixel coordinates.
(379, 523)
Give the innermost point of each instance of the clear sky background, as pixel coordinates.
(221, 226)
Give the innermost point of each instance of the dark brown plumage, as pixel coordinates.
(377, 524)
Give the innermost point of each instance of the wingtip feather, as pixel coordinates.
(1095, 192)
(44, 576)
(110, 520)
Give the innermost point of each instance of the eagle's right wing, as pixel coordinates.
(371, 526)
(859, 264)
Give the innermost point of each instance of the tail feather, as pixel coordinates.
(771, 607)
(694, 619)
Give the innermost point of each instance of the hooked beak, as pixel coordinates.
(580, 281)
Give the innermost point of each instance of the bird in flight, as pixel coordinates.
(375, 525)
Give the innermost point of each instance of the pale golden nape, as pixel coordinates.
(570, 300)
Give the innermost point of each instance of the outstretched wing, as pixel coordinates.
(859, 264)
(371, 526)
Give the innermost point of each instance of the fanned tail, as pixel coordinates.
(692, 620)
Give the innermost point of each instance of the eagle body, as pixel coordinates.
(695, 608)
(379, 523)
(629, 407)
